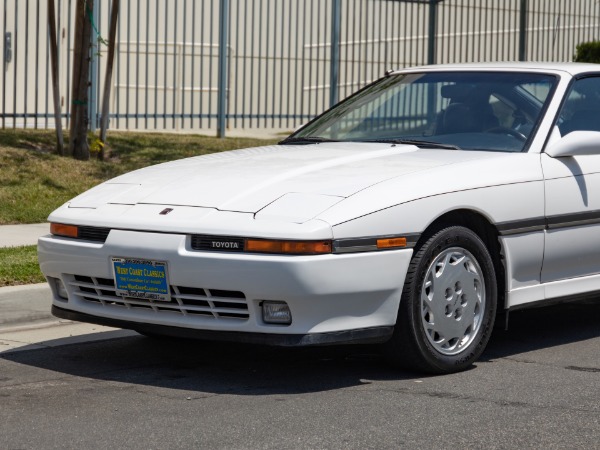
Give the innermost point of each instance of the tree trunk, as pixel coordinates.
(79, 147)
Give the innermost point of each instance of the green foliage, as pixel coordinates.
(588, 52)
(19, 266)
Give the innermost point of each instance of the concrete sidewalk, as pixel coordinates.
(28, 234)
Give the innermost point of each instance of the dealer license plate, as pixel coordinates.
(141, 278)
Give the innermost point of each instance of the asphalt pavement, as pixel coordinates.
(535, 387)
(69, 385)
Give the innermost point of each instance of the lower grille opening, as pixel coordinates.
(191, 291)
(185, 300)
(231, 315)
(202, 303)
(225, 305)
(200, 313)
(226, 294)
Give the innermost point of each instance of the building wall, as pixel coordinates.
(278, 54)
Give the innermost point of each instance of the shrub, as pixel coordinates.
(588, 52)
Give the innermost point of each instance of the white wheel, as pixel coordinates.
(448, 304)
(452, 301)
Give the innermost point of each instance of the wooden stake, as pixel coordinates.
(60, 143)
(108, 75)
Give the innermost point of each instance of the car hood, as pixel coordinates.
(249, 180)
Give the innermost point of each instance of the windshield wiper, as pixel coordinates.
(421, 144)
(305, 140)
(418, 143)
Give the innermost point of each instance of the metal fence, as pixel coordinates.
(209, 65)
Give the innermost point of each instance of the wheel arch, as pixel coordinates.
(487, 232)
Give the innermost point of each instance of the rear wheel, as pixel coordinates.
(448, 304)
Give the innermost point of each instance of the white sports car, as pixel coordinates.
(409, 214)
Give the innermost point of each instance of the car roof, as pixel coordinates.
(567, 67)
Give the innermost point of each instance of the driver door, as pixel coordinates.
(572, 186)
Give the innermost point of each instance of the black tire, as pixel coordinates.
(415, 344)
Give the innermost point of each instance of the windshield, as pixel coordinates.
(468, 110)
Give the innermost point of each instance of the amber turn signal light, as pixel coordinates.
(60, 229)
(288, 247)
(391, 243)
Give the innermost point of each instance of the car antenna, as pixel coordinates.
(389, 72)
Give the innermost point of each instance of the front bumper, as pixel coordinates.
(363, 336)
(333, 298)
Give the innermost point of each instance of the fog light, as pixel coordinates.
(276, 312)
(61, 291)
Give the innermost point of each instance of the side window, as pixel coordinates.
(581, 111)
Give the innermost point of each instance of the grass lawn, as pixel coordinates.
(35, 180)
(19, 266)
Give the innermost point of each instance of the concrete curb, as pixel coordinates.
(26, 304)
(22, 287)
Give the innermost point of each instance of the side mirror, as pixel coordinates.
(575, 143)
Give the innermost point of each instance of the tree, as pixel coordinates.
(82, 55)
(78, 144)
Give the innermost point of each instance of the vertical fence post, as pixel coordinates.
(336, 19)
(432, 31)
(523, 31)
(95, 54)
(222, 89)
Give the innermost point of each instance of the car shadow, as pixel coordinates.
(544, 327)
(208, 368)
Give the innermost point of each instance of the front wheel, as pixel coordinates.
(448, 304)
